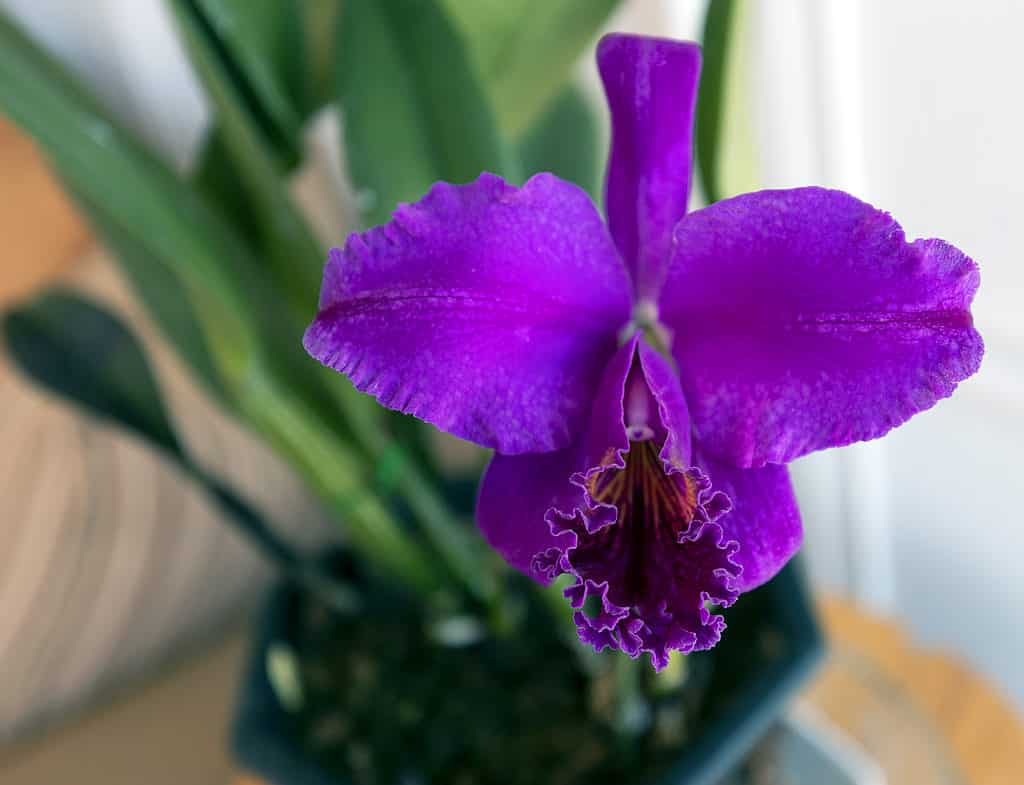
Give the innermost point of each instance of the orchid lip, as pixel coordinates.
(640, 535)
(648, 555)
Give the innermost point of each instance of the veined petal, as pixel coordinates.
(804, 320)
(516, 493)
(764, 518)
(651, 85)
(485, 309)
(673, 413)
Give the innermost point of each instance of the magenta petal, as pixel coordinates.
(673, 413)
(485, 309)
(804, 320)
(651, 84)
(764, 518)
(606, 430)
(516, 493)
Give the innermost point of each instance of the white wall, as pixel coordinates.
(128, 54)
(944, 125)
(916, 107)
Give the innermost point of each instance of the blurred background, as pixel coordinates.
(110, 563)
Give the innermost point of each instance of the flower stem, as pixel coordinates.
(632, 714)
(461, 551)
(334, 592)
(340, 477)
(554, 602)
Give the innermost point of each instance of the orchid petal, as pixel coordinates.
(518, 491)
(673, 413)
(764, 518)
(651, 85)
(803, 320)
(484, 309)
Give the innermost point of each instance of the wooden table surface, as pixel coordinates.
(41, 231)
(42, 234)
(984, 735)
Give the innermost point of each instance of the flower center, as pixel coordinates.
(654, 507)
(650, 571)
(644, 319)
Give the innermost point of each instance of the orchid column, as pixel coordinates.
(643, 382)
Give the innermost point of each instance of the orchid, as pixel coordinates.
(644, 381)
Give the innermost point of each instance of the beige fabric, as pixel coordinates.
(171, 730)
(109, 559)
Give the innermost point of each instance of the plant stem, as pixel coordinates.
(336, 593)
(291, 249)
(290, 241)
(454, 542)
(553, 599)
(631, 710)
(340, 478)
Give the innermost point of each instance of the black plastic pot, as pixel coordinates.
(770, 649)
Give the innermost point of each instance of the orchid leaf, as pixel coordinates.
(260, 44)
(564, 141)
(526, 49)
(267, 51)
(726, 155)
(279, 57)
(216, 176)
(82, 353)
(320, 33)
(160, 291)
(138, 200)
(414, 107)
(244, 180)
(293, 257)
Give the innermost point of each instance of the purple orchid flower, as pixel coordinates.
(618, 371)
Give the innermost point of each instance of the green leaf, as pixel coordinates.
(83, 354)
(294, 258)
(261, 44)
(320, 32)
(414, 108)
(280, 59)
(564, 141)
(726, 155)
(526, 49)
(159, 289)
(138, 197)
(216, 176)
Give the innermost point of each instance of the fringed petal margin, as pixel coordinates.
(643, 584)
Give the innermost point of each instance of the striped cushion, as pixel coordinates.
(110, 560)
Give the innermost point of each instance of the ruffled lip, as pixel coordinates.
(643, 591)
